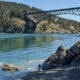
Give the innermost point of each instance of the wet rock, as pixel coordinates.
(10, 67)
(75, 49)
(76, 60)
(63, 57)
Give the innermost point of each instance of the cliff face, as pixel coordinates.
(13, 20)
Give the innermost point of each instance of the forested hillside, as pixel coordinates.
(12, 17)
(12, 20)
(58, 25)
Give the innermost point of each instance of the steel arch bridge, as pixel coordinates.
(30, 16)
(74, 11)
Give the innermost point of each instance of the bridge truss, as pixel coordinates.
(74, 11)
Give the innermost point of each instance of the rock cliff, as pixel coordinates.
(63, 57)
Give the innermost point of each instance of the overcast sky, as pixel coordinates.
(51, 5)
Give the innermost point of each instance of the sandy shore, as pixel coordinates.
(68, 73)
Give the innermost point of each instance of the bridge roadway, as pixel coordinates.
(74, 11)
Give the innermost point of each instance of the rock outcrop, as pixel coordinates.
(63, 57)
(10, 67)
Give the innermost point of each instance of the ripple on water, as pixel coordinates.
(29, 50)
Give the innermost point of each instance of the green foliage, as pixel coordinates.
(44, 27)
(64, 23)
(16, 25)
(13, 25)
(12, 17)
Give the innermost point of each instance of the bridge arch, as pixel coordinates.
(50, 13)
(72, 11)
(48, 16)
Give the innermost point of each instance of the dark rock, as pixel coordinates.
(55, 59)
(63, 57)
(76, 60)
(75, 49)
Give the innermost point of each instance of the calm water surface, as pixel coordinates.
(28, 50)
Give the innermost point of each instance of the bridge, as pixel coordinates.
(74, 11)
(50, 13)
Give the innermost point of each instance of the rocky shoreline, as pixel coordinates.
(67, 73)
(63, 57)
(62, 65)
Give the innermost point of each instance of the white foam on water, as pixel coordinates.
(1, 64)
(34, 67)
(35, 61)
(31, 69)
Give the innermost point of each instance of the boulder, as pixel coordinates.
(76, 60)
(10, 67)
(63, 57)
(56, 59)
(75, 49)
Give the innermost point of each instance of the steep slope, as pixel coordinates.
(58, 25)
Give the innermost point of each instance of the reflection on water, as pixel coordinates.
(9, 44)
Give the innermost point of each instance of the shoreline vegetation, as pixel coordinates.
(62, 66)
(14, 20)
